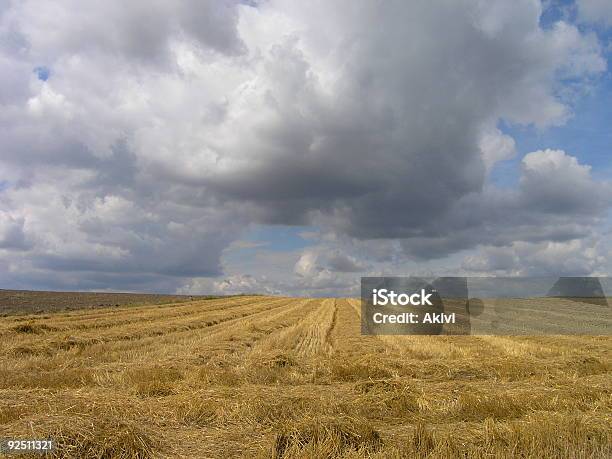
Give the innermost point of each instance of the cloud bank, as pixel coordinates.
(138, 141)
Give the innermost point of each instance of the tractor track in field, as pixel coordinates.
(187, 326)
(310, 336)
(249, 338)
(332, 326)
(149, 317)
(176, 345)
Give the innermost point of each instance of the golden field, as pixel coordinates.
(293, 378)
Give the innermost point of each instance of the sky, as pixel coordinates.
(290, 147)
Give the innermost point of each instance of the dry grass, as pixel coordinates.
(293, 378)
(326, 438)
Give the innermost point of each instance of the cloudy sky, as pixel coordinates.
(292, 147)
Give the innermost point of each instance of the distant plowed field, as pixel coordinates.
(28, 301)
(287, 377)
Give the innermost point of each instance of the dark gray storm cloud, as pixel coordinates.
(12, 236)
(164, 129)
(556, 200)
(344, 263)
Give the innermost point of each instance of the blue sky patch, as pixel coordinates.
(280, 237)
(43, 73)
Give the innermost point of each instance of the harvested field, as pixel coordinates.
(276, 377)
(28, 302)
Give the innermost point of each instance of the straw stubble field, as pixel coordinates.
(289, 377)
